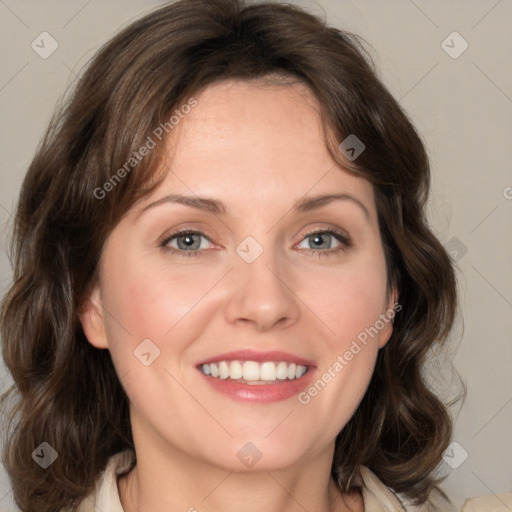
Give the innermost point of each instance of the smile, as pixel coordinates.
(252, 372)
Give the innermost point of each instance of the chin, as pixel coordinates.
(245, 456)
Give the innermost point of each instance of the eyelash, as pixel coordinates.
(345, 242)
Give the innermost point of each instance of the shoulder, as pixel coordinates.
(376, 496)
(489, 503)
(105, 495)
(380, 498)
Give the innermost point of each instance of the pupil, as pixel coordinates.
(186, 241)
(321, 240)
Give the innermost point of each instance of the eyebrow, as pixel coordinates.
(201, 203)
(217, 207)
(310, 203)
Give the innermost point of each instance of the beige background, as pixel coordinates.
(463, 109)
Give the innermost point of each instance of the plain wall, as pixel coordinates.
(461, 106)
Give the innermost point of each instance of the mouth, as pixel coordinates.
(258, 377)
(254, 373)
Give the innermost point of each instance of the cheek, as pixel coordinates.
(151, 302)
(137, 292)
(349, 302)
(349, 299)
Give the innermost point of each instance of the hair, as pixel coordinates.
(66, 391)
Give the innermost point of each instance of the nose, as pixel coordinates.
(261, 296)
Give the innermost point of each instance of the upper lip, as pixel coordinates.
(253, 355)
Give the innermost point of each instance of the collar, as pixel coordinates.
(376, 496)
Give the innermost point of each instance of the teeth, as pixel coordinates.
(282, 370)
(236, 370)
(268, 371)
(251, 371)
(223, 370)
(214, 370)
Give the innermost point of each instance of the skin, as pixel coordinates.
(259, 148)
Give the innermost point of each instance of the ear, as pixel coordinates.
(92, 319)
(389, 318)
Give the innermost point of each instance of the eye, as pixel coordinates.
(321, 242)
(326, 242)
(188, 243)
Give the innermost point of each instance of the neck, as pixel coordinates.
(172, 484)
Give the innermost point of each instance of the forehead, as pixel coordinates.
(243, 110)
(255, 141)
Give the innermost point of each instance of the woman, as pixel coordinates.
(279, 366)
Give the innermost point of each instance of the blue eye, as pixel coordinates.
(320, 240)
(324, 240)
(188, 243)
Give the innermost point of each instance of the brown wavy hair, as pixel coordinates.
(66, 392)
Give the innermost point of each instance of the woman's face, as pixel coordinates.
(265, 268)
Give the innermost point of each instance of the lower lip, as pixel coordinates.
(260, 393)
